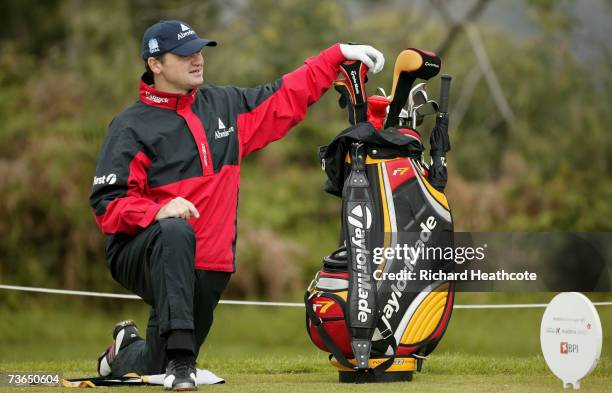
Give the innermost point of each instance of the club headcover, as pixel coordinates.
(410, 64)
(377, 110)
(354, 79)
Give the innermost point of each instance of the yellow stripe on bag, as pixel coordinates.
(369, 160)
(426, 317)
(431, 319)
(435, 193)
(383, 198)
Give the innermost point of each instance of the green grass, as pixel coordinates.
(259, 349)
(310, 373)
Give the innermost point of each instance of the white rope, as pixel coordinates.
(127, 296)
(257, 303)
(67, 292)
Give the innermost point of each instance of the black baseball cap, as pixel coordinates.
(172, 36)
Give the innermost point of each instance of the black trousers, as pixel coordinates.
(158, 265)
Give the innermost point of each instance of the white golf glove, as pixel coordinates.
(369, 56)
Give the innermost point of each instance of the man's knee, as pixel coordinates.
(177, 232)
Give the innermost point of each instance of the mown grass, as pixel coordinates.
(272, 373)
(259, 349)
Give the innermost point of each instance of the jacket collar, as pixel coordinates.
(175, 101)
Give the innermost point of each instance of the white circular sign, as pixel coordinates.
(571, 337)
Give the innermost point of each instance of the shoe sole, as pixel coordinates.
(122, 325)
(183, 387)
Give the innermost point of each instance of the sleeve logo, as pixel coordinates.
(111, 178)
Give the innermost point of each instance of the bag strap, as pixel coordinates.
(329, 343)
(333, 348)
(358, 219)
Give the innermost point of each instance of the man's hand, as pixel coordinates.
(179, 208)
(369, 56)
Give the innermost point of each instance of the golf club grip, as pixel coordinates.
(445, 92)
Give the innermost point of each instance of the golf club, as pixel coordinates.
(404, 117)
(419, 112)
(417, 96)
(352, 90)
(410, 64)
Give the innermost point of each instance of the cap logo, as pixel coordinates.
(184, 28)
(184, 34)
(153, 45)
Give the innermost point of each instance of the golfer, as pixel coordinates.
(166, 190)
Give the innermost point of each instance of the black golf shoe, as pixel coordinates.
(124, 333)
(181, 374)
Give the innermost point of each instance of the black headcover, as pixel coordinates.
(352, 90)
(388, 143)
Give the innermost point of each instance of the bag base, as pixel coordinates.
(353, 377)
(401, 370)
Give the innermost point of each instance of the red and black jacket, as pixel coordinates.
(191, 145)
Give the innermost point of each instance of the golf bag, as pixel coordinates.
(377, 324)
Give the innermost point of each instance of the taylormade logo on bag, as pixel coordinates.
(428, 64)
(360, 220)
(426, 227)
(355, 82)
(397, 288)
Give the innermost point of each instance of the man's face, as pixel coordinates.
(179, 74)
